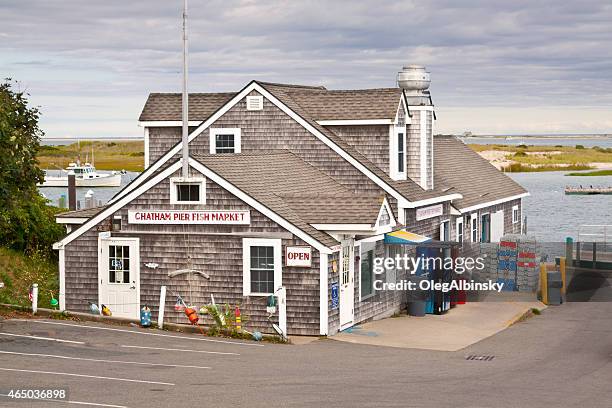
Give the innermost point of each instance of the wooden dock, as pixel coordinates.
(587, 190)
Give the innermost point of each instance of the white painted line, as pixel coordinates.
(42, 338)
(102, 361)
(88, 376)
(173, 349)
(236, 343)
(93, 404)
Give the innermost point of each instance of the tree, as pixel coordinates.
(26, 222)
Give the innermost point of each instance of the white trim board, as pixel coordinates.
(71, 220)
(254, 86)
(490, 203)
(323, 295)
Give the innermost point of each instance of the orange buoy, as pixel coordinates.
(191, 315)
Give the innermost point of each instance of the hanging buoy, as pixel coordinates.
(94, 309)
(191, 315)
(238, 319)
(54, 303)
(106, 311)
(145, 317)
(271, 304)
(179, 305)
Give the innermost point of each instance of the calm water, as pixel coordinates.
(551, 215)
(100, 193)
(542, 141)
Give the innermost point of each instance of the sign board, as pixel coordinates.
(334, 295)
(298, 256)
(238, 217)
(429, 212)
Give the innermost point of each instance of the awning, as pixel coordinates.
(405, 237)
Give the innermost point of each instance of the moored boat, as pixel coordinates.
(584, 190)
(85, 176)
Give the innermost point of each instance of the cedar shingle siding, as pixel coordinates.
(299, 178)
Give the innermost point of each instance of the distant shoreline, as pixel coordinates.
(544, 136)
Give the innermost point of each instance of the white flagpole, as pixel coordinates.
(185, 97)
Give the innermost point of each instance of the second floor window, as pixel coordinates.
(224, 140)
(401, 153)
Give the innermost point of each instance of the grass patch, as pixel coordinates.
(19, 272)
(592, 173)
(525, 168)
(108, 155)
(536, 311)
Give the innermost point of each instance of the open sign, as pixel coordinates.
(298, 256)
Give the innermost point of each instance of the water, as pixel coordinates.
(100, 193)
(542, 141)
(551, 215)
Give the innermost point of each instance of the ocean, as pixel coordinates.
(570, 140)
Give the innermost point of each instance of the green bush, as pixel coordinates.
(579, 147)
(520, 154)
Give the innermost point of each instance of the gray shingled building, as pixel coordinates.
(291, 186)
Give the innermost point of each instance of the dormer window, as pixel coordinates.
(187, 191)
(224, 140)
(397, 152)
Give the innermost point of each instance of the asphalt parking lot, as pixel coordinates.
(562, 358)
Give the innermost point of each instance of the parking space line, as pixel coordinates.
(236, 343)
(102, 361)
(92, 404)
(87, 376)
(189, 350)
(42, 338)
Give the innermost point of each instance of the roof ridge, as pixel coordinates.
(297, 86)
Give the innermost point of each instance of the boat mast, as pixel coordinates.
(185, 105)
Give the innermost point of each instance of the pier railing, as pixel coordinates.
(595, 233)
(594, 246)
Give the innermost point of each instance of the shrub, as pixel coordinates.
(579, 147)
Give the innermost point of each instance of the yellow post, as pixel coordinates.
(562, 270)
(544, 283)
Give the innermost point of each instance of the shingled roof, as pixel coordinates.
(285, 184)
(472, 176)
(167, 106)
(84, 213)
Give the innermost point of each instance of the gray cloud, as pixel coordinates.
(98, 60)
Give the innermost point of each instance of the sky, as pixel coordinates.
(497, 67)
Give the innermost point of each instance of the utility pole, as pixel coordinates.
(185, 104)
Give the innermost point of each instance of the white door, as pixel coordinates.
(119, 276)
(497, 225)
(347, 283)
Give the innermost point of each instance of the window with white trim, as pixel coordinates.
(187, 190)
(262, 266)
(397, 152)
(225, 140)
(401, 152)
(366, 271)
(474, 227)
(460, 229)
(516, 214)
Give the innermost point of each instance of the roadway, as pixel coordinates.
(562, 358)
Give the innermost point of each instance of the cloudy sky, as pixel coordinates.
(496, 66)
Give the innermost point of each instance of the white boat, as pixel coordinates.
(85, 176)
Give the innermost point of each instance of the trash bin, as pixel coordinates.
(417, 298)
(555, 283)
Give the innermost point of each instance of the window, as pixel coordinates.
(474, 227)
(118, 264)
(401, 153)
(262, 266)
(367, 273)
(397, 152)
(485, 228)
(187, 191)
(516, 214)
(224, 140)
(460, 229)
